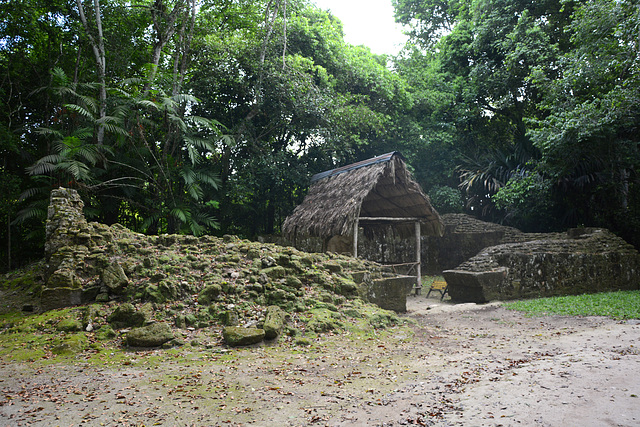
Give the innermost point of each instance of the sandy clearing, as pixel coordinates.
(465, 365)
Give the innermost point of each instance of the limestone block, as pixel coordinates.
(114, 278)
(60, 297)
(126, 315)
(237, 336)
(274, 322)
(153, 335)
(471, 286)
(390, 293)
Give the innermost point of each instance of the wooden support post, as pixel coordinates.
(356, 227)
(418, 260)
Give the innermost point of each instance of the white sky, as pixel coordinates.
(369, 23)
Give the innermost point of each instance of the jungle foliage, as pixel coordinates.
(209, 116)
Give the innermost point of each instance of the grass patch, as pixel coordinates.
(617, 305)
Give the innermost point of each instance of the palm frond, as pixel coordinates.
(209, 177)
(133, 81)
(30, 212)
(188, 175)
(78, 170)
(115, 129)
(179, 214)
(118, 91)
(82, 111)
(194, 155)
(195, 191)
(203, 144)
(49, 131)
(148, 104)
(183, 97)
(204, 122)
(44, 166)
(83, 133)
(31, 192)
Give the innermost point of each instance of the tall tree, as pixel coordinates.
(486, 51)
(588, 135)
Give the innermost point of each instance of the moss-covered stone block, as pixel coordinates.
(326, 297)
(152, 293)
(293, 282)
(253, 253)
(190, 319)
(276, 272)
(168, 290)
(69, 325)
(70, 344)
(324, 320)
(209, 294)
(60, 297)
(332, 267)
(236, 336)
(153, 335)
(114, 278)
(105, 333)
(306, 260)
(64, 278)
(274, 322)
(346, 286)
(278, 296)
(180, 321)
(228, 318)
(126, 315)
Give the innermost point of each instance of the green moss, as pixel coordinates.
(69, 325)
(332, 267)
(303, 341)
(274, 322)
(126, 315)
(105, 333)
(383, 319)
(293, 282)
(209, 294)
(324, 320)
(28, 279)
(277, 272)
(70, 344)
(346, 287)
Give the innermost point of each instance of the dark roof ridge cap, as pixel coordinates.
(357, 165)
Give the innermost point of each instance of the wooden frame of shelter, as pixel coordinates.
(373, 193)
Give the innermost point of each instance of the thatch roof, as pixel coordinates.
(378, 187)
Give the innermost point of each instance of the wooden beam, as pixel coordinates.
(356, 227)
(418, 259)
(389, 219)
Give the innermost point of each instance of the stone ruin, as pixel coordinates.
(580, 261)
(93, 262)
(483, 261)
(480, 261)
(74, 251)
(464, 237)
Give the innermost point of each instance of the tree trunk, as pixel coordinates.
(9, 241)
(163, 35)
(97, 45)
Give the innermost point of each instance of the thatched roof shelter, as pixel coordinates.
(377, 192)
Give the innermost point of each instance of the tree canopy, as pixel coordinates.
(209, 116)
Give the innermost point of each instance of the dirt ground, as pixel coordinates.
(465, 365)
